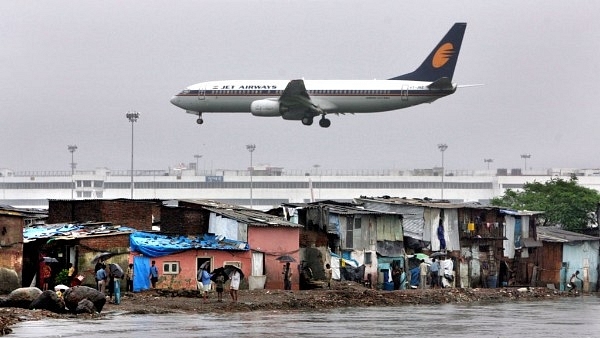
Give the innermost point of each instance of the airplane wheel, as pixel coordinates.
(307, 121)
(325, 123)
(199, 120)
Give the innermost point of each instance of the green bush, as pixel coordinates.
(62, 277)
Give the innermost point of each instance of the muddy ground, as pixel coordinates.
(342, 294)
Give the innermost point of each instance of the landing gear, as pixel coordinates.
(199, 120)
(307, 120)
(324, 122)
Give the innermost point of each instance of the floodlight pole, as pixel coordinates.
(251, 148)
(132, 116)
(525, 157)
(72, 149)
(197, 157)
(442, 147)
(488, 161)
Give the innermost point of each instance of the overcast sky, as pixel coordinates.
(70, 70)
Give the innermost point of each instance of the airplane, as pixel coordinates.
(304, 100)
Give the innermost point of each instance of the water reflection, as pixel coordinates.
(569, 316)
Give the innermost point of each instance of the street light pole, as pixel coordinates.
(197, 157)
(132, 116)
(251, 148)
(317, 166)
(525, 157)
(72, 149)
(442, 147)
(488, 161)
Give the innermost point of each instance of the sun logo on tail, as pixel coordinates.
(442, 55)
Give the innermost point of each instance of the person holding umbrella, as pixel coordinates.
(220, 280)
(287, 276)
(204, 278)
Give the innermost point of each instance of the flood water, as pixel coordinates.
(569, 317)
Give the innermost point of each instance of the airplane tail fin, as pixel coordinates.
(442, 60)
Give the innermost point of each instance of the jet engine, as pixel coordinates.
(265, 108)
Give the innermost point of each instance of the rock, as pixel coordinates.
(21, 297)
(85, 306)
(9, 280)
(76, 294)
(50, 301)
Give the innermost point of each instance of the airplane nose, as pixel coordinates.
(175, 100)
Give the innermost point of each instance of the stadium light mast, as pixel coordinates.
(442, 147)
(72, 149)
(251, 148)
(132, 116)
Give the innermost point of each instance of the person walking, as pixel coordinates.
(328, 275)
(71, 274)
(434, 270)
(101, 278)
(287, 276)
(204, 278)
(129, 278)
(234, 285)
(153, 274)
(45, 275)
(219, 285)
(396, 277)
(423, 269)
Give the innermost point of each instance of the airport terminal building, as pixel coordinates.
(265, 187)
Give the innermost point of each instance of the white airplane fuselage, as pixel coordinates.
(332, 96)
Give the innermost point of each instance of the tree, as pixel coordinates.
(564, 203)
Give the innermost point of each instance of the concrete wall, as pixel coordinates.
(274, 242)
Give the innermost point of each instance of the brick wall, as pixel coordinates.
(135, 214)
(185, 221)
(89, 247)
(312, 238)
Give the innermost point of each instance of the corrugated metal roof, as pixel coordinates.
(249, 216)
(557, 235)
(520, 212)
(430, 203)
(72, 230)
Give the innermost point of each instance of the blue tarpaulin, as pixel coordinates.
(141, 273)
(157, 245)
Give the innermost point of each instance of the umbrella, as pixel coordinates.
(50, 260)
(116, 270)
(219, 271)
(102, 256)
(204, 265)
(437, 254)
(421, 256)
(229, 269)
(61, 287)
(286, 258)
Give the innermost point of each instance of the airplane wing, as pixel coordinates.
(295, 97)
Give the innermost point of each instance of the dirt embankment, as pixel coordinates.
(342, 294)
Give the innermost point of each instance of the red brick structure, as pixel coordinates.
(137, 214)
